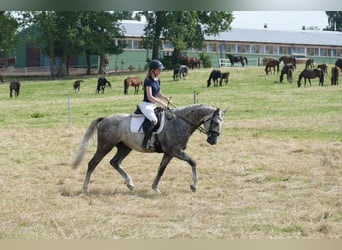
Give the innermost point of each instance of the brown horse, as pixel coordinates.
(335, 71)
(272, 64)
(323, 67)
(309, 64)
(311, 74)
(288, 59)
(14, 86)
(132, 81)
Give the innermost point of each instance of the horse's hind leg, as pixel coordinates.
(98, 156)
(121, 154)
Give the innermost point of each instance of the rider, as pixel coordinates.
(152, 96)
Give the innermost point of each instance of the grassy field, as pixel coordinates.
(276, 171)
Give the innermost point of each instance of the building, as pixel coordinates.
(322, 46)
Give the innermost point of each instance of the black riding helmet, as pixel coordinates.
(155, 64)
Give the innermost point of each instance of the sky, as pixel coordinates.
(279, 20)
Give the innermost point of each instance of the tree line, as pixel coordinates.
(65, 34)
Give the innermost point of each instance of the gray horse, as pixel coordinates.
(179, 124)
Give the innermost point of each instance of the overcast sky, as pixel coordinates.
(279, 20)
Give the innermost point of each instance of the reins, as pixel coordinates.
(200, 128)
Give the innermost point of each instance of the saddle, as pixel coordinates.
(139, 123)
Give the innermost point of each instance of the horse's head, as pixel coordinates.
(213, 126)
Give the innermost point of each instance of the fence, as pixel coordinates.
(226, 62)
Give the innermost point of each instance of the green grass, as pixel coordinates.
(250, 97)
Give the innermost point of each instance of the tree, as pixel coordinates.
(70, 33)
(334, 20)
(9, 27)
(184, 29)
(99, 34)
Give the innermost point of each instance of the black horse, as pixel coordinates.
(288, 70)
(215, 74)
(311, 74)
(14, 86)
(102, 83)
(338, 63)
(233, 59)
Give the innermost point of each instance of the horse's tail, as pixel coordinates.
(84, 143)
(246, 60)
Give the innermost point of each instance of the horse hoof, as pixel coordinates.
(193, 188)
(130, 187)
(157, 190)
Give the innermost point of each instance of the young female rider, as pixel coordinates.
(152, 96)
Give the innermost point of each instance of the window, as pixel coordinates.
(255, 49)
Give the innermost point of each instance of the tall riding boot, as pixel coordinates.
(148, 134)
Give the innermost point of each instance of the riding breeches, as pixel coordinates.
(148, 110)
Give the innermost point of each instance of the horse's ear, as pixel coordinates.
(224, 111)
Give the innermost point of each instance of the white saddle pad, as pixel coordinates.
(137, 120)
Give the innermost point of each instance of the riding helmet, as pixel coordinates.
(156, 64)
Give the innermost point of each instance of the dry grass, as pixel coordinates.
(249, 187)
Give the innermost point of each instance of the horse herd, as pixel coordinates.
(309, 72)
(103, 83)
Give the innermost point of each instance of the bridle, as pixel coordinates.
(210, 131)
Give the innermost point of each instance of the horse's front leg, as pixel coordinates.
(183, 156)
(163, 164)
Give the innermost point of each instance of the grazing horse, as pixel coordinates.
(180, 72)
(311, 74)
(77, 85)
(272, 64)
(233, 59)
(323, 67)
(114, 131)
(225, 77)
(288, 70)
(14, 86)
(288, 59)
(335, 71)
(102, 83)
(215, 74)
(309, 64)
(134, 81)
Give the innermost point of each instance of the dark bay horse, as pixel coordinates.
(77, 85)
(272, 64)
(309, 64)
(233, 59)
(14, 86)
(288, 59)
(134, 81)
(114, 131)
(335, 72)
(311, 74)
(288, 70)
(323, 67)
(102, 82)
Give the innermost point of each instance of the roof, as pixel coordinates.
(307, 37)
